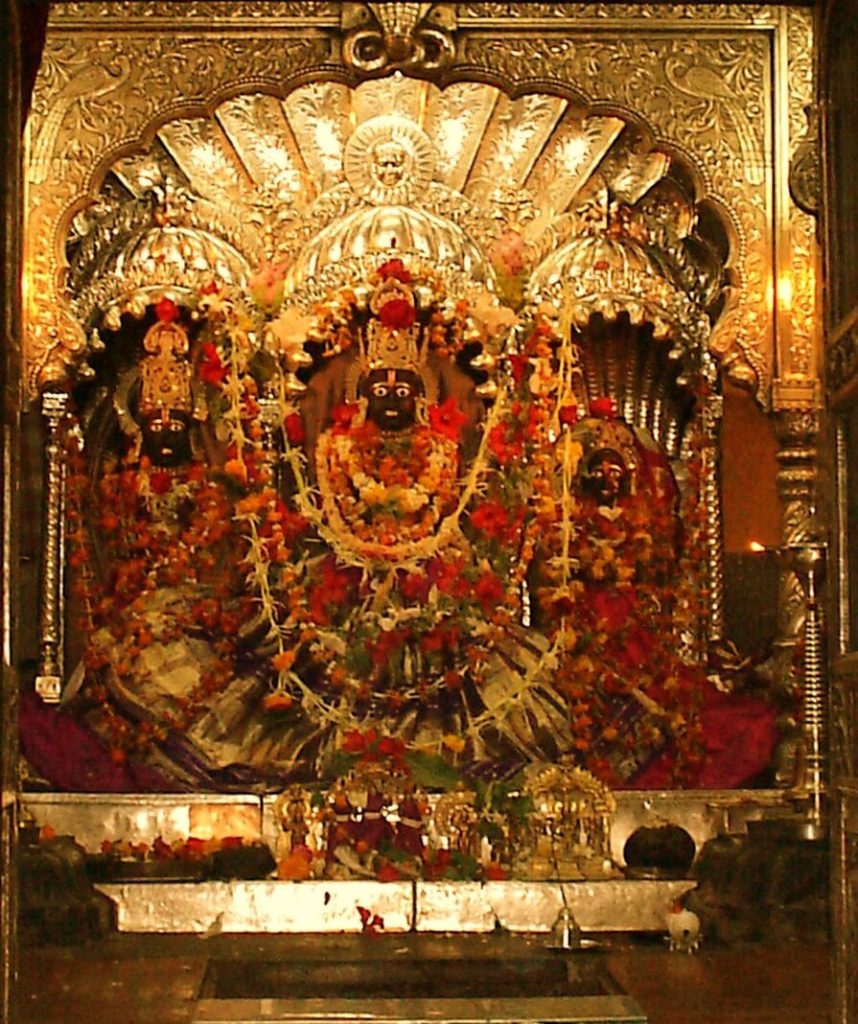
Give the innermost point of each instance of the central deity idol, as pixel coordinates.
(388, 463)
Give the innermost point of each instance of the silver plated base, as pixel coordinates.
(274, 907)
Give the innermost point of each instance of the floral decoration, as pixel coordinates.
(393, 578)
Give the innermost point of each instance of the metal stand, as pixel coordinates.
(49, 680)
(808, 562)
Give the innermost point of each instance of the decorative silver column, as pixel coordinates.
(49, 681)
(713, 411)
(796, 431)
(808, 562)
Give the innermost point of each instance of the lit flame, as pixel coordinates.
(785, 292)
(756, 546)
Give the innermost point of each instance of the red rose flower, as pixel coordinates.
(159, 481)
(396, 269)
(342, 416)
(506, 443)
(293, 525)
(518, 364)
(603, 408)
(166, 310)
(491, 518)
(397, 314)
(447, 577)
(353, 742)
(389, 872)
(390, 746)
(569, 415)
(294, 428)
(447, 419)
(416, 586)
(387, 645)
(488, 591)
(210, 368)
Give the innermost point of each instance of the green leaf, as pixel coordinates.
(358, 660)
(339, 763)
(490, 829)
(263, 366)
(464, 868)
(430, 771)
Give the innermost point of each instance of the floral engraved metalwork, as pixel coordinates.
(797, 431)
(704, 100)
(95, 97)
(49, 679)
(798, 335)
(704, 95)
(388, 36)
(718, 13)
(204, 12)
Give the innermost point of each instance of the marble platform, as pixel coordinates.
(266, 907)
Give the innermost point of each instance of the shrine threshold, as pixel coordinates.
(385, 498)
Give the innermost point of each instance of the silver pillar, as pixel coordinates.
(49, 680)
(808, 562)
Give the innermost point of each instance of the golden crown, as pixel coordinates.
(165, 372)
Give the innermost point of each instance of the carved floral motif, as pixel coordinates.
(797, 355)
(202, 11)
(705, 95)
(616, 12)
(91, 100)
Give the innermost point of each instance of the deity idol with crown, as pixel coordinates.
(162, 600)
(388, 465)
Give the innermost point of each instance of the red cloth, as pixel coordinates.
(740, 734)
(73, 759)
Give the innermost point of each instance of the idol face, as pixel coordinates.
(166, 437)
(391, 397)
(389, 160)
(606, 477)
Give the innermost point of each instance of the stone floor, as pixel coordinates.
(146, 979)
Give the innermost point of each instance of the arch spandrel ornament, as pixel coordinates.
(94, 99)
(101, 90)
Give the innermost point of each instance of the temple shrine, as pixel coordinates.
(429, 579)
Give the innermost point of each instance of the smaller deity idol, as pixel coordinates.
(606, 477)
(608, 576)
(170, 674)
(165, 390)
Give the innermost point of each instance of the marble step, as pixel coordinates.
(480, 984)
(270, 906)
